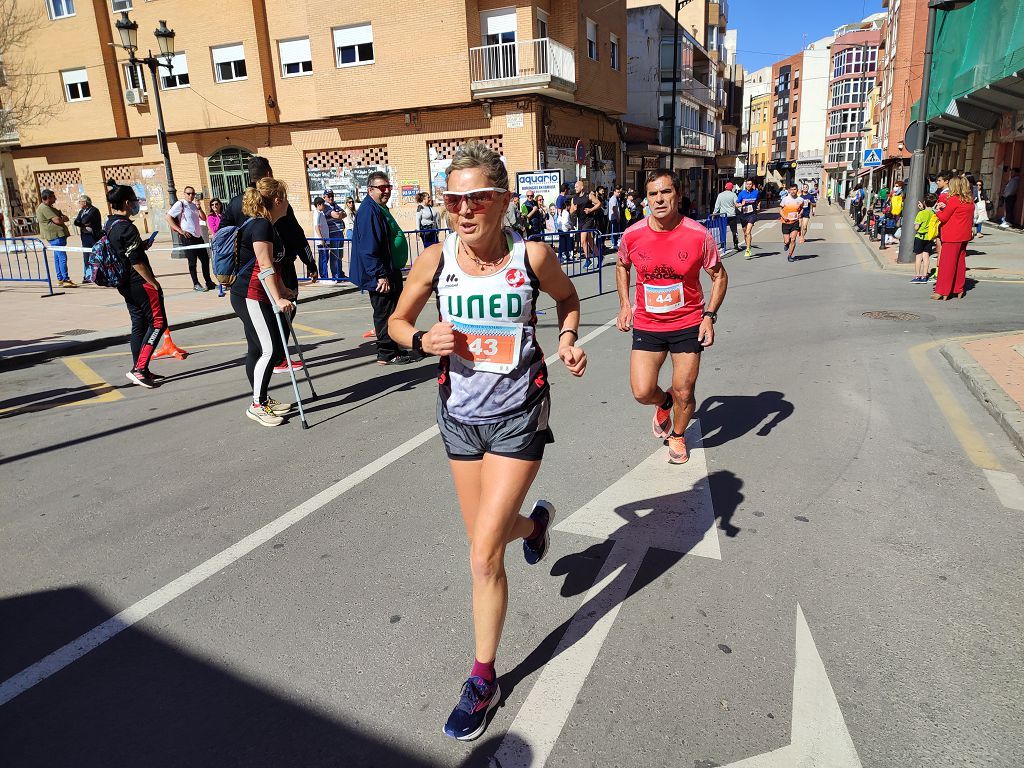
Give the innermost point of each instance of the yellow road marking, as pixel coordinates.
(314, 331)
(198, 346)
(104, 392)
(972, 442)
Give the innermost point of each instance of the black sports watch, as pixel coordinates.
(417, 341)
(712, 315)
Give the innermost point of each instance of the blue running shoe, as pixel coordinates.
(534, 550)
(469, 718)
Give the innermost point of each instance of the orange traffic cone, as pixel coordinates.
(369, 335)
(169, 349)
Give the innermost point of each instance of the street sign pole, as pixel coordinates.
(915, 189)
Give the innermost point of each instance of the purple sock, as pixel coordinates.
(486, 671)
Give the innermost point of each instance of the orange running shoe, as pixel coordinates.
(661, 426)
(677, 453)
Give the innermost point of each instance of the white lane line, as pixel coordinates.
(94, 638)
(676, 513)
(1007, 487)
(762, 228)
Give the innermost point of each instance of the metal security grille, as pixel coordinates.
(444, 149)
(66, 184)
(357, 157)
(229, 175)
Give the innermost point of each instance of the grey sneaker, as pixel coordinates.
(535, 549)
(262, 415)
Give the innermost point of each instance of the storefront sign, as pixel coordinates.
(546, 183)
(409, 192)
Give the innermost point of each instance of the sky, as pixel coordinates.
(766, 34)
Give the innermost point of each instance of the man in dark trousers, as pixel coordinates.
(376, 267)
(290, 231)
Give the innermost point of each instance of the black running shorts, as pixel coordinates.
(924, 246)
(746, 219)
(676, 342)
(789, 227)
(522, 435)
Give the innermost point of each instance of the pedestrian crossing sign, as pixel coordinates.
(872, 158)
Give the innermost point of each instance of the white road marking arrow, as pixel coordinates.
(654, 505)
(819, 737)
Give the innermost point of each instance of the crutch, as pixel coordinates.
(309, 379)
(263, 276)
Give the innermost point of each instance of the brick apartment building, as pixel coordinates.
(326, 92)
(785, 115)
(853, 72)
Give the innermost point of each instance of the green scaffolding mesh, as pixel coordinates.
(974, 46)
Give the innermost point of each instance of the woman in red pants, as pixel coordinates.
(956, 215)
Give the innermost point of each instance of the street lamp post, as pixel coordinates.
(914, 191)
(129, 32)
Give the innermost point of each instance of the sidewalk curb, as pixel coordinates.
(103, 339)
(909, 268)
(1003, 409)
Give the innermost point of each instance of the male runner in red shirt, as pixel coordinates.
(668, 252)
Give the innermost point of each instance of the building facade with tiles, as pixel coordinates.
(327, 94)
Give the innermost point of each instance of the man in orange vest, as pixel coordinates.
(790, 208)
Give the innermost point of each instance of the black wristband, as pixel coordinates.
(712, 315)
(417, 341)
(568, 330)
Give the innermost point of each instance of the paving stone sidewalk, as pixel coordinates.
(993, 369)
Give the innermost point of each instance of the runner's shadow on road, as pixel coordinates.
(765, 255)
(728, 417)
(647, 526)
(374, 388)
(804, 256)
(144, 699)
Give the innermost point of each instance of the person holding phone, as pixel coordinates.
(142, 293)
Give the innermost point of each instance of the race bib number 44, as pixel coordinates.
(494, 348)
(663, 298)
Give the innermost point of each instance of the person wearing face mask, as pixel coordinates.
(141, 292)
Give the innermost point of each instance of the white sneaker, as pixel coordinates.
(263, 415)
(1004, 225)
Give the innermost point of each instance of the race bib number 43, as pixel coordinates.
(663, 298)
(494, 348)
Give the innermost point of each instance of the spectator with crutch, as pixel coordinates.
(261, 248)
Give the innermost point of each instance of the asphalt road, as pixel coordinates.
(340, 635)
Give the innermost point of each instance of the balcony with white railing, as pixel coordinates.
(698, 92)
(523, 66)
(690, 142)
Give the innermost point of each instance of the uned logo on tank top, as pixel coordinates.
(515, 278)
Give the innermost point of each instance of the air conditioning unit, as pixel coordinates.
(135, 96)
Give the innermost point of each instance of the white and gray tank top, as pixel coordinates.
(497, 369)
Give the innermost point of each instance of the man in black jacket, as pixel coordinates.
(90, 226)
(288, 228)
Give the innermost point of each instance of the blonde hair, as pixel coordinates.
(960, 187)
(476, 154)
(258, 200)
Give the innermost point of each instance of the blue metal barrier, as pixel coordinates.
(568, 247)
(718, 226)
(25, 260)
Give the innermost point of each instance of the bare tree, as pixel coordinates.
(23, 99)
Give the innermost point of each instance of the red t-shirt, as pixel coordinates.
(668, 265)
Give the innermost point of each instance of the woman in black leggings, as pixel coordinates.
(260, 250)
(140, 289)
